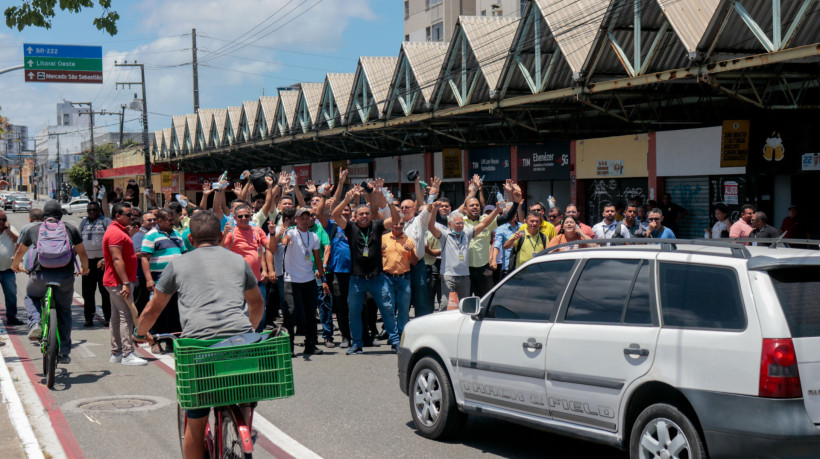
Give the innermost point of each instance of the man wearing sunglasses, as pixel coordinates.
(249, 241)
(141, 293)
(656, 229)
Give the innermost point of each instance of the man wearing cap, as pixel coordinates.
(40, 277)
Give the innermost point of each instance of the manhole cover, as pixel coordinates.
(124, 403)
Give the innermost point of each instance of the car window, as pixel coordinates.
(602, 291)
(699, 296)
(532, 293)
(638, 308)
(798, 290)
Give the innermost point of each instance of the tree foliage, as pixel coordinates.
(80, 173)
(38, 13)
(4, 125)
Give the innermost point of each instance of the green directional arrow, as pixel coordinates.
(62, 63)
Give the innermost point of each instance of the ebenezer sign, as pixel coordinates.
(544, 162)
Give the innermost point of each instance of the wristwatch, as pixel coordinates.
(136, 335)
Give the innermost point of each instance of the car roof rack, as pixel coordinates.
(737, 247)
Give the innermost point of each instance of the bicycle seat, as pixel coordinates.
(53, 284)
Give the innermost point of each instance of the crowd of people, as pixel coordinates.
(318, 253)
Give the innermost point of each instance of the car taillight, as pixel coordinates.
(779, 377)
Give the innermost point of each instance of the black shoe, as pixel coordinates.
(369, 343)
(394, 348)
(88, 324)
(14, 321)
(63, 359)
(107, 324)
(382, 336)
(313, 351)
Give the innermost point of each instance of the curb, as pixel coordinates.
(17, 412)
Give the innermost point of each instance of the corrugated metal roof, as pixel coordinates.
(180, 124)
(689, 19)
(312, 93)
(234, 114)
(490, 39)
(167, 134)
(158, 143)
(426, 59)
(287, 103)
(268, 106)
(574, 24)
(206, 120)
(340, 85)
(220, 124)
(379, 72)
(251, 109)
(191, 120)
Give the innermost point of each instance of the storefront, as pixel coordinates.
(387, 168)
(448, 165)
(543, 171)
(611, 170)
(689, 164)
(493, 164)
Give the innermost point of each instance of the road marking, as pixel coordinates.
(279, 441)
(17, 413)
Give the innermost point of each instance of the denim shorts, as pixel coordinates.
(198, 413)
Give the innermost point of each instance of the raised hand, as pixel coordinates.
(237, 188)
(284, 179)
(310, 187)
(129, 195)
(435, 185)
(206, 188)
(167, 195)
(378, 183)
(269, 181)
(342, 175)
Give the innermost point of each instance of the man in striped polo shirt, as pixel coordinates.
(159, 246)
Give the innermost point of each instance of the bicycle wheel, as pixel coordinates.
(231, 441)
(51, 350)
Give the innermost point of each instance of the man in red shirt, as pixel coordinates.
(120, 273)
(254, 246)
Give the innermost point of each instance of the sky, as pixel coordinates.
(279, 43)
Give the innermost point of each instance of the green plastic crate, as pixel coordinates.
(231, 375)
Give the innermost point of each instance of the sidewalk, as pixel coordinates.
(9, 436)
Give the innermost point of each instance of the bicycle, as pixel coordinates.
(229, 379)
(50, 342)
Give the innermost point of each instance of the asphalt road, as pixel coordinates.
(345, 406)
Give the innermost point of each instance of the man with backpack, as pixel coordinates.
(56, 246)
(610, 228)
(526, 243)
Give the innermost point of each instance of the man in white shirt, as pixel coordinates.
(416, 229)
(8, 238)
(609, 228)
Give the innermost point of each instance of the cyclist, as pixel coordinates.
(213, 285)
(40, 277)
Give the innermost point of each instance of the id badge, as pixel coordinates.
(460, 256)
(307, 256)
(366, 252)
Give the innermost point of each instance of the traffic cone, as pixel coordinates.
(453, 301)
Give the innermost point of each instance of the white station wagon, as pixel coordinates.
(674, 349)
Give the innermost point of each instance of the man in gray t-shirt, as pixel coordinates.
(213, 286)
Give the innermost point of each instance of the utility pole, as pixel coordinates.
(122, 121)
(59, 178)
(196, 75)
(145, 147)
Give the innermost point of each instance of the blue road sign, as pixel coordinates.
(69, 51)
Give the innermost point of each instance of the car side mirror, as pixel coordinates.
(470, 306)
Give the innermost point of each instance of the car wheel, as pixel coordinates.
(662, 430)
(432, 401)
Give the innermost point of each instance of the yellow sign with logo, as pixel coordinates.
(734, 143)
(167, 178)
(451, 163)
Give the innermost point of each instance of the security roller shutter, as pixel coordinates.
(691, 193)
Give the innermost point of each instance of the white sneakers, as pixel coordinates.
(131, 359)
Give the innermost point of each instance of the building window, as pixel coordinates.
(429, 3)
(483, 12)
(427, 34)
(407, 38)
(406, 9)
(438, 32)
(66, 118)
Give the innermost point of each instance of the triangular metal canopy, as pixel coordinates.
(370, 88)
(307, 106)
(574, 25)
(234, 133)
(415, 76)
(474, 60)
(334, 100)
(250, 115)
(285, 110)
(206, 122)
(267, 115)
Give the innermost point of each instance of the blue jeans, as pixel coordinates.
(400, 289)
(419, 290)
(62, 297)
(379, 289)
(9, 283)
(325, 313)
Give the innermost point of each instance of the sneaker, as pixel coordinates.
(35, 333)
(115, 358)
(345, 343)
(63, 359)
(354, 350)
(88, 324)
(132, 360)
(14, 321)
(394, 348)
(313, 351)
(329, 344)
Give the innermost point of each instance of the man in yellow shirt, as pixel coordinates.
(527, 241)
(546, 228)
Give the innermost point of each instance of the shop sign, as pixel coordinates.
(731, 191)
(451, 163)
(544, 162)
(734, 143)
(302, 174)
(359, 170)
(811, 162)
(491, 163)
(167, 179)
(609, 168)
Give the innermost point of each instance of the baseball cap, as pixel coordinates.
(489, 208)
(53, 209)
(301, 210)
(792, 207)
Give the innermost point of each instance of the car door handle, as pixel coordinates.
(636, 351)
(531, 344)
